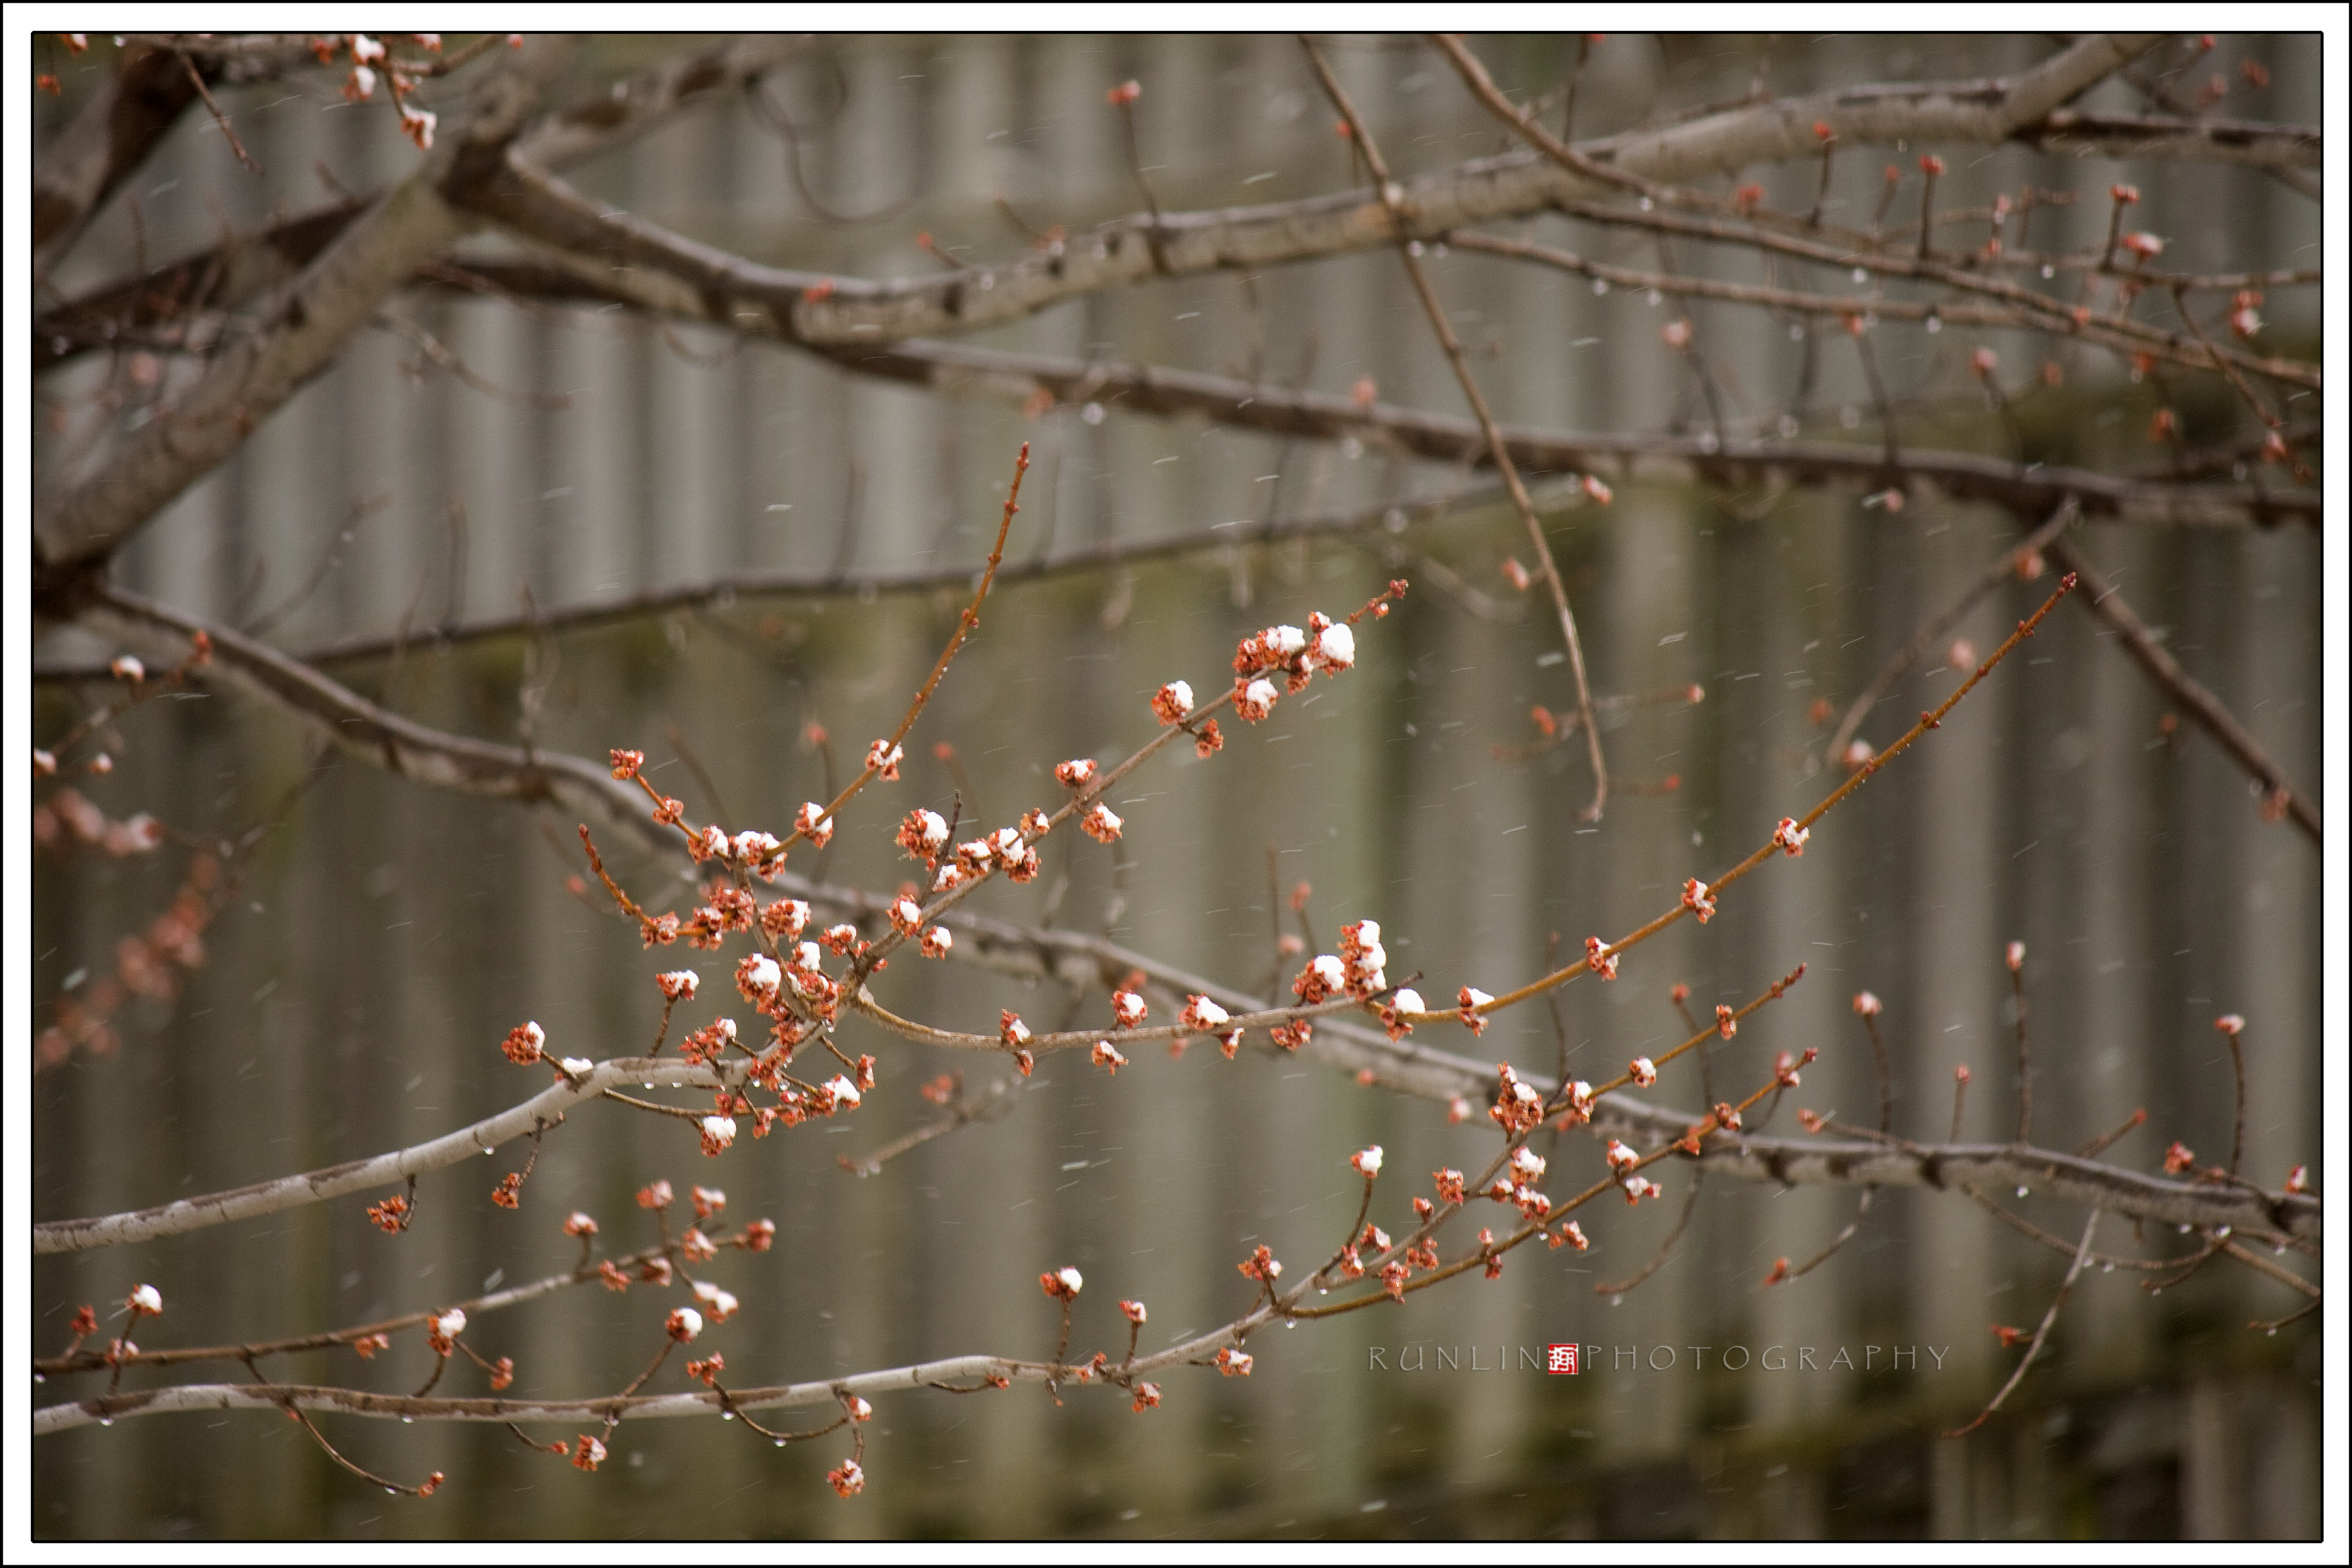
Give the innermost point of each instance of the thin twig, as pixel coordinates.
(2002, 568)
(2082, 1255)
(2101, 600)
(1408, 249)
(234, 146)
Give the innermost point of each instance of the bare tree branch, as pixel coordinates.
(546, 1108)
(2002, 568)
(636, 104)
(2101, 598)
(2250, 142)
(152, 85)
(297, 330)
(818, 309)
(334, 714)
(1983, 112)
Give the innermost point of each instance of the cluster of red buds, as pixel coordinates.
(1518, 1109)
(367, 54)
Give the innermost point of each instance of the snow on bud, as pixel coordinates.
(904, 914)
(1202, 1015)
(419, 124)
(1102, 823)
(718, 1133)
(884, 758)
(1698, 900)
(1472, 999)
(1600, 494)
(786, 920)
(1449, 1186)
(1866, 1004)
(814, 825)
(1257, 700)
(1527, 1162)
(1262, 1265)
(923, 834)
(524, 1044)
(1125, 93)
(1063, 1284)
(1233, 1362)
(757, 976)
(2231, 1024)
(722, 1304)
(937, 941)
(848, 1477)
(1642, 1071)
(1726, 1024)
(844, 1091)
(2016, 956)
(1147, 1396)
(1135, 1311)
(580, 1225)
(1621, 1158)
(679, 984)
(1012, 1030)
(1105, 1055)
(451, 1323)
(127, 668)
(1367, 1161)
(2147, 246)
(2298, 1180)
(684, 1325)
(1172, 701)
(708, 1200)
(1336, 648)
(2178, 1158)
(1601, 960)
(1077, 773)
(1408, 1000)
(1789, 837)
(1324, 978)
(147, 1300)
(1128, 1008)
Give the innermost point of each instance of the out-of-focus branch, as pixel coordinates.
(415, 752)
(2001, 569)
(1983, 112)
(637, 103)
(296, 332)
(2250, 142)
(1376, 528)
(2101, 599)
(181, 305)
(819, 310)
(1498, 449)
(126, 119)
